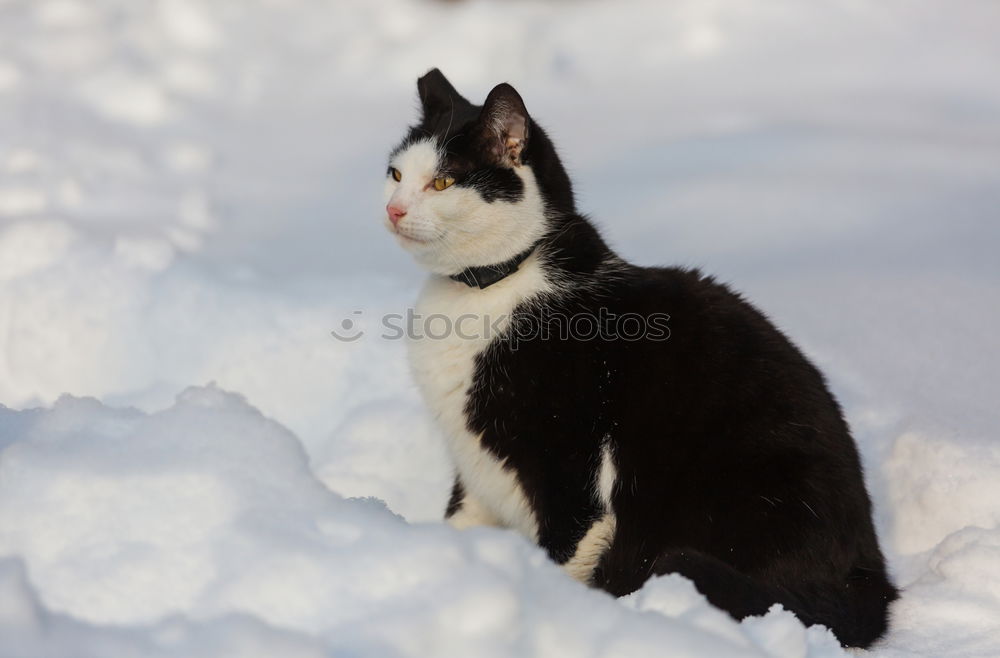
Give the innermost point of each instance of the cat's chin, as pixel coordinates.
(407, 240)
(428, 254)
(434, 259)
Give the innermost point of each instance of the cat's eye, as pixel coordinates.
(443, 182)
(397, 176)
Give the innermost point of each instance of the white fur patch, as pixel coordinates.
(607, 475)
(449, 230)
(591, 548)
(418, 163)
(444, 369)
(472, 513)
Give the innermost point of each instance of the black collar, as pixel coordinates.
(487, 275)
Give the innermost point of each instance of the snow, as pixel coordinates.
(189, 193)
(205, 518)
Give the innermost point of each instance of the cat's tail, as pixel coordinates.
(855, 610)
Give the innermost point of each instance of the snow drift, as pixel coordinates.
(192, 525)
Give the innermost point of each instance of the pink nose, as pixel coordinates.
(395, 214)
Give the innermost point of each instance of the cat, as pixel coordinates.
(700, 442)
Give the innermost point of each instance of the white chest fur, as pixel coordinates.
(451, 321)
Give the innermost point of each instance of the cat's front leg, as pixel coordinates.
(465, 511)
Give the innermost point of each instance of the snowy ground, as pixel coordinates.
(189, 193)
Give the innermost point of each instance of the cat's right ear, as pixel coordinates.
(437, 96)
(504, 125)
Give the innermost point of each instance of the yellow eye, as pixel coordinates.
(395, 174)
(442, 183)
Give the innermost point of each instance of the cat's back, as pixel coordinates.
(704, 313)
(710, 363)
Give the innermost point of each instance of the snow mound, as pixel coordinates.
(202, 526)
(940, 488)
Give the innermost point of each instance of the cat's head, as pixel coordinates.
(472, 185)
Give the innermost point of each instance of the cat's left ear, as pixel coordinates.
(504, 124)
(437, 96)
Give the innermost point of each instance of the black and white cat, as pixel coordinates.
(713, 449)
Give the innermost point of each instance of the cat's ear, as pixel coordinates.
(504, 124)
(437, 96)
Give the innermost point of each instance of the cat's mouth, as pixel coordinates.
(410, 238)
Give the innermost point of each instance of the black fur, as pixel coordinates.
(735, 466)
(455, 499)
